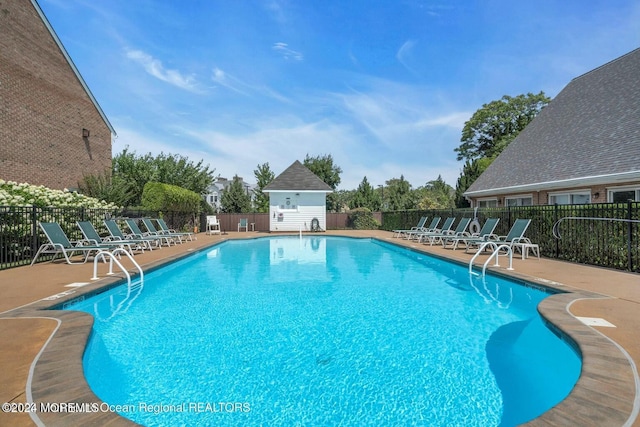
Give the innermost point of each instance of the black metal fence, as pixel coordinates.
(603, 234)
(20, 236)
(607, 234)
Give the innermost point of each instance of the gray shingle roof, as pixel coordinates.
(297, 177)
(592, 128)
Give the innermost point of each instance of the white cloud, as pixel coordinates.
(155, 68)
(286, 52)
(230, 82)
(404, 54)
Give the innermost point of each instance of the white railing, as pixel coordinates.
(494, 254)
(112, 258)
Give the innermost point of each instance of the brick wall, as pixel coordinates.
(43, 107)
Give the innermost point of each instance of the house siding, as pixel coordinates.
(309, 206)
(44, 107)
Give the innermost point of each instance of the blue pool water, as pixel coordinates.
(324, 331)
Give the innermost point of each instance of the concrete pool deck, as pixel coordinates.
(606, 393)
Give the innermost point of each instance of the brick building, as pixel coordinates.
(52, 130)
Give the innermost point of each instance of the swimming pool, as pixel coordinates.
(324, 331)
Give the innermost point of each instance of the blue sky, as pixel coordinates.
(384, 86)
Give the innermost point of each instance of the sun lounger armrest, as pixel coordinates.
(519, 240)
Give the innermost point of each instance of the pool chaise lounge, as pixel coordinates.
(431, 228)
(515, 236)
(59, 243)
(153, 231)
(485, 232)
(139, 234)
(117, 234)
(164, 229)
(460, 229)
(92, 236)
(419, 227)
(446, 226)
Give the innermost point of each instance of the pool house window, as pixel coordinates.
(623, 194)
(574, 198)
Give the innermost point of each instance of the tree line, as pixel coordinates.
(489, 131)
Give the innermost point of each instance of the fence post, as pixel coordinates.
(34, 229)
(555, 220)
(629, 236)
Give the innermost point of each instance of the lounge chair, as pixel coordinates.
(459, 230)
(244, 223)
(430, 229)
(446, 226)
(485, 232)
(138, 234)
(59, 243)
(164, 228)
(91, 235)
(213, 225)
(515, 235)
(117, 234)
(420, 226)
(153, 231)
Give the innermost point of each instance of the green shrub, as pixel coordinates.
(157, 196)
(362, 219)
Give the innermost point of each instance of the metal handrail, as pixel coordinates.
(556, 225)
(495, 254)
(112, 257)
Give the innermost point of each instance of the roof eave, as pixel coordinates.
(554, 185)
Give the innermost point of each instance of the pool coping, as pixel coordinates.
(600, 397)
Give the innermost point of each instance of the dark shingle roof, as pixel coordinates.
(591, 128)
(297, 177)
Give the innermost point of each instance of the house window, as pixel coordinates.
(519, 201)
(488, 203)
(623, 194)
(577, 198)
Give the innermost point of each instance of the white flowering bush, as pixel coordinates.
(14, 194)
(23, 205)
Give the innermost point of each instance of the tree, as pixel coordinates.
(341, 200)
(235, 199)
(264, 175)
(471, 170)
(436, 194)
(107, 187)
(365, 197)
(398, 194)
(172, 169)
(496, 124)
(324, 168)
